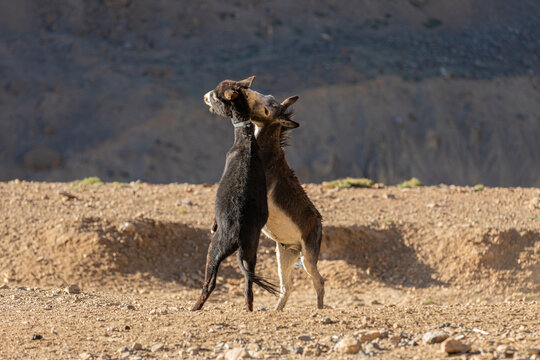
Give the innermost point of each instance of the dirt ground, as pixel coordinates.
(398, 263)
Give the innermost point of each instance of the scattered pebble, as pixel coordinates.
(435, 336)
(296, 350)
(348, 345)
(326, 320)
(236, 353)
(36, 337)
(480, 331)
(136, 346)
(157, 347)
(370, 336)
(371, 347)
(127, 228)
(304, 338)
(72, 289)
(452, 346)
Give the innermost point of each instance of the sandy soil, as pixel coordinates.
(397, 262)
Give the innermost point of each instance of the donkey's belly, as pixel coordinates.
(280, 226)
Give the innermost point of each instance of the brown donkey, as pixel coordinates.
(293, 222)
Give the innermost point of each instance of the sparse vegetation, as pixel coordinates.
(428, 301)
(93, 180)
(348, 183)
(413, 182)
(119, 184)
(478, 187)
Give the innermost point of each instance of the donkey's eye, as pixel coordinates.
(266, 111)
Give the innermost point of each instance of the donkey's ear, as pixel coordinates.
(246, 83)
(289, 101)
(230, 94)
(288, 124)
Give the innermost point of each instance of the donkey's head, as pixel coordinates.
(228, 92)
(266, 110)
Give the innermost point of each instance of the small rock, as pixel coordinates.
(348, 345)
(261, 309)
(326, 320)
(304, 338)
(157, 347)
(130, 307)
(452, 346)
(371, 347)
(445, 324)
(127, 228)
(22, 288)
(136, 346)
(435, 336)
(480, 331)
(370, 336)
(506, 350)
(237, 353)
(533, 350)
(253, 347)
(296, 350)
(85, 356)
(5, 286)
(193, 350)
(36, 337)
(72, 289)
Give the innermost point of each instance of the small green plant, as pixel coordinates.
(534, 218)
(348, 183)
(119, 184)
(413, 182)
(478, 187)
(93, 180)
(428, 301)
(388, 220)
(529, 297)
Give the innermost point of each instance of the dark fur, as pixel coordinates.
(241, 204)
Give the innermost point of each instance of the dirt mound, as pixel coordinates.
(138, 235)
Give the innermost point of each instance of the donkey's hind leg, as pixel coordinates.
(286, 257)
(310, 252)
(216, 254)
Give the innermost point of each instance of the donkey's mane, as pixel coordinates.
(284, 133)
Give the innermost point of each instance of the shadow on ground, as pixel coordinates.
(382, 254)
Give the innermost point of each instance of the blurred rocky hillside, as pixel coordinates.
(447, 91)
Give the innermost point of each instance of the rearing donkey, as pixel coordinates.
(241, 202)
(293, 222)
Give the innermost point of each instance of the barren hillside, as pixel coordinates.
(448, 91)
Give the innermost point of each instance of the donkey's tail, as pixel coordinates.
(265, 284)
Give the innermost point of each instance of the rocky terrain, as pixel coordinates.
(445, 91)
(108, 271)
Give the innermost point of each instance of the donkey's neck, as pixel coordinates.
(243, 128)
(268, 139)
